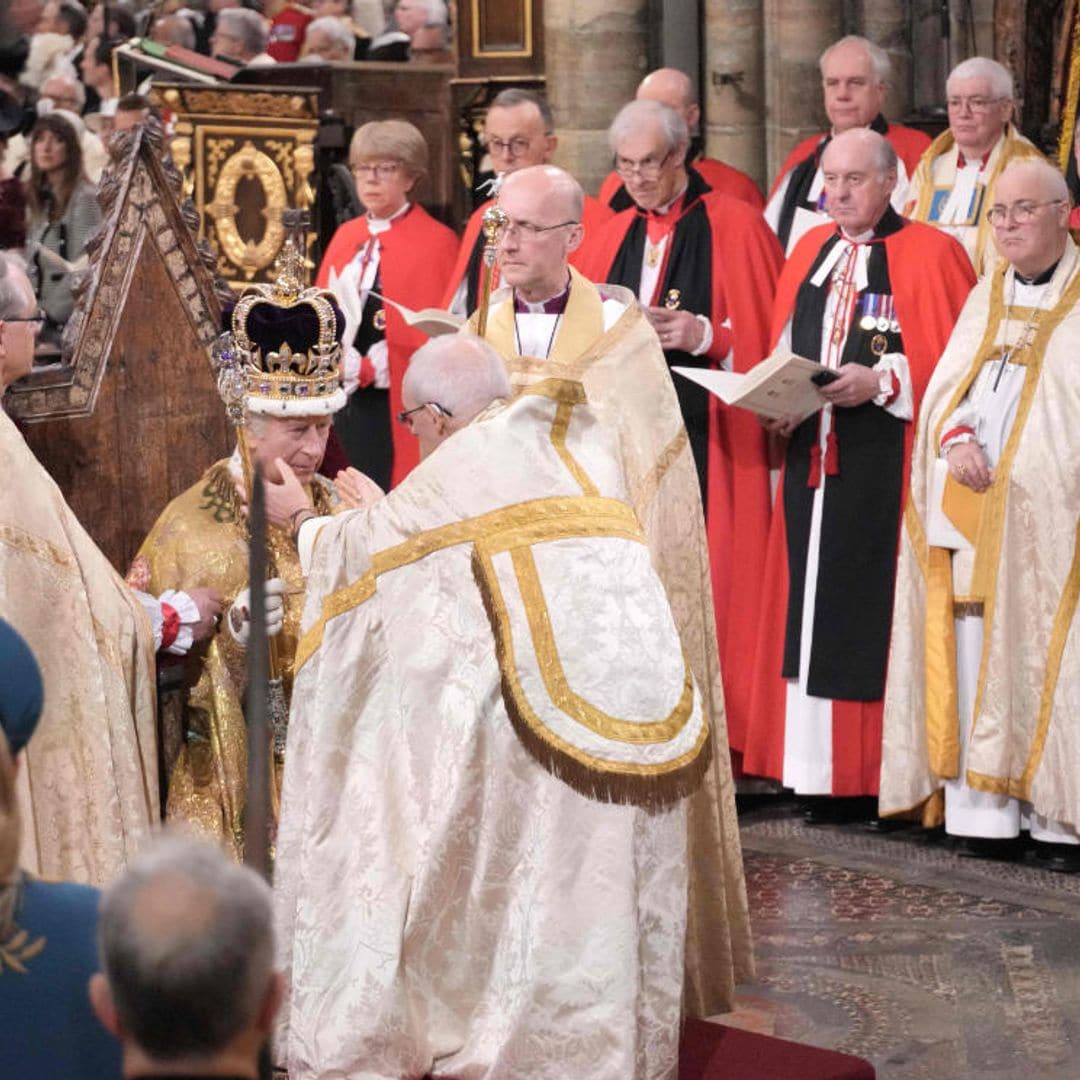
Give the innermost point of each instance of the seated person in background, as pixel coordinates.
(97, 73)
(328, 40)
(240, 37)
(65, 94)
(340, 10)
(187, 950)
(201, 540)
(47, 929)
(63, 212)
(174, 30)
(410, 19)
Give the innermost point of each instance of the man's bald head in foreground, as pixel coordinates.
(549, 188)
(1030, 215)
(674, 89)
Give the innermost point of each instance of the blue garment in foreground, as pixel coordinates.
(47, 1028)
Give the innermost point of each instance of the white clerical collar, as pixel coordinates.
(378, 225)
(861, 238)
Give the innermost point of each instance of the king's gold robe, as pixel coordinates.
(629, 386)
(88, 786)
(200, 540)
(1023, 576)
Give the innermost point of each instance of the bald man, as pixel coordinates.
(673, 88)
(981, 697)
(854, 80)
(874, 298)
(552, 323)
(519, 132)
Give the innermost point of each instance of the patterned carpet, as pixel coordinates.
(894, 948)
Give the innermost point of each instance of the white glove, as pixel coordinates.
(239, 619)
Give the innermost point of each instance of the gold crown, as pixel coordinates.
(260, 369)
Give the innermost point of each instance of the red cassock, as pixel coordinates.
(723, 179)
(742, 262)
(930, 277)
(469, 255)
(416, 255)
(909, 144)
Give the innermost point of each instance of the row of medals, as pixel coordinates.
(879, 344)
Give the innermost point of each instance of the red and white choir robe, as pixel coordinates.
(723, 179)
(408, 262)
(462, 295)
(820, 663)
(797, 200)
(714, 256)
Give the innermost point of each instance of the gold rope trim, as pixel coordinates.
(553, 674)
(527, 522)
(636, 784)
(1063, 620)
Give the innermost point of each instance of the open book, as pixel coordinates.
(431, 321)
(781, 385)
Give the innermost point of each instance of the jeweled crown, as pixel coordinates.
(282, 354)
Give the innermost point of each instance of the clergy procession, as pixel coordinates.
(412, 738)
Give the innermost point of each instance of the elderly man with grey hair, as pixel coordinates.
(187, 983)
(854, 77)
(174, 29)
(241, 37)
(445, 794)
(329, 40)
(703, 265)
(981, 698)
(953, 186)
(872, 298)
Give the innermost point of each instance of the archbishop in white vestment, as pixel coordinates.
(482, 854)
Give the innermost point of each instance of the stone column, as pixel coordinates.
(733, 94)
(596, 53)
(886, 23)
(797, 32)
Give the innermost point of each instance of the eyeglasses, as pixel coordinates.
(526, 230)
(975, 104)
(515, 147)
(38, 317)
(403, 417)
(648, 168)
(381, 170)
(1021, 212)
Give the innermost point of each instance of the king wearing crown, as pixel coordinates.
(279, 375)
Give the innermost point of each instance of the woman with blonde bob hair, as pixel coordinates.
(394, 250)
(48, 930)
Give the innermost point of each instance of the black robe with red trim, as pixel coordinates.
(471, 251)
(929, 281)
(722, 262)
(416, 254)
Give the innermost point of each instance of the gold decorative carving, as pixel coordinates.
(236, 103)
(247, 255)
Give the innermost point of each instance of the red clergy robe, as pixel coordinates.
(469, 256)
(909, 144)
(930, 277)
(416, 254)
(745, 262)
(723, 179)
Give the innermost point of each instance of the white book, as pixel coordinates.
(780, 386)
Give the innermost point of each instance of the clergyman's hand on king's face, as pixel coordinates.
(285, 500)
(356, 490)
